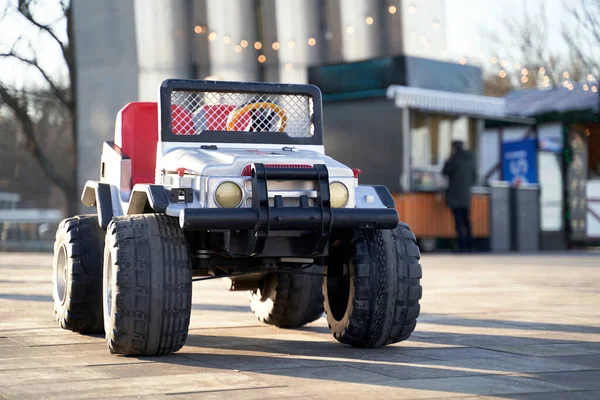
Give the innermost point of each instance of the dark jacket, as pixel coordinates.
(462, 176)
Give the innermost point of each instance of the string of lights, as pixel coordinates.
(311, 41)
(524, 76)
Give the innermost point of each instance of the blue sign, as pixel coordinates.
(552, 144)
(519, 161)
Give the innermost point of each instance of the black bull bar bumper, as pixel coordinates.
(262, 218)
(289, 218)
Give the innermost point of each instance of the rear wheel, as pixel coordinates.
(77, 274)
(372, 287)
(147, 285)
(289, 300)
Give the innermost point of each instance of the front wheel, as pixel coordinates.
(372, 286)
(147, 285)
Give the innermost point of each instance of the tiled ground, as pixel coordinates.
(525, 327)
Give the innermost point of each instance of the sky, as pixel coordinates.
(466, 23)
(13, 27)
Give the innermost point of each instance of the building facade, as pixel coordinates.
(125, 48)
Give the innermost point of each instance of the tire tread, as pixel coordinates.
(82, 310)
(387, 288)
(154, 283)
(296, 300)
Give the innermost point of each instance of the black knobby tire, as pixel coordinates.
(372, 287)
(147, 285)
(289, 300)
(77, 274)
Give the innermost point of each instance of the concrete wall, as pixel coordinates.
(163, 35)
(268, 35)
(332, 21)
(298, 21)
(233, 21)
(199, 43)
(366, 134)
(107, 75)
(362, 41)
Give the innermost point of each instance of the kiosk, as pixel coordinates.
(568, 133)
(395, 118)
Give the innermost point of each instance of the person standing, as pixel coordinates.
(462, 176)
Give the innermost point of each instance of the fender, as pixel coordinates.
(148, 198)
(145, 198)
(375, 196)
(385, 196)
(99, 195)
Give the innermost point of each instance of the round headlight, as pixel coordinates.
(228, 195)
(339, 194)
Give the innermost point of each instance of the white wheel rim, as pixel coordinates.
(61, 275)
(108, 278)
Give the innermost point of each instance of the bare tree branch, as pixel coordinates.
(528, 37)
(64, 4)
(589, 62)
(4, 12)
(586, 14)
(62, 99)
(590, 23)
(19, 109)
(60, 93)
(25, 11)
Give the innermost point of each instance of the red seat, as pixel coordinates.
(136, 133)
(182, 121)
(218, 115)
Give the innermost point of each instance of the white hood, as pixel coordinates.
(231, 161)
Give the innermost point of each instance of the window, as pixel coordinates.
(421, 140)
(432, 136)
(593, 137)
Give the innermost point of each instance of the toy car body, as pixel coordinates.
(228, 179)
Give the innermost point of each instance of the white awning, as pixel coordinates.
(447, 102)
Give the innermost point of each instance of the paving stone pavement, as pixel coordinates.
(520, 327)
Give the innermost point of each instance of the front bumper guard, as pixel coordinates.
(288, 218)
(262, 218)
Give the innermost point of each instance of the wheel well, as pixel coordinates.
(139, 204)
(97, 194)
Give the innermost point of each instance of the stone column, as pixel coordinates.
(300, 38)
(233, 23)
(163, 32)
(363, 29)
(107, 76)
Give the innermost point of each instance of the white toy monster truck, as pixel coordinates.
(225, 179)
